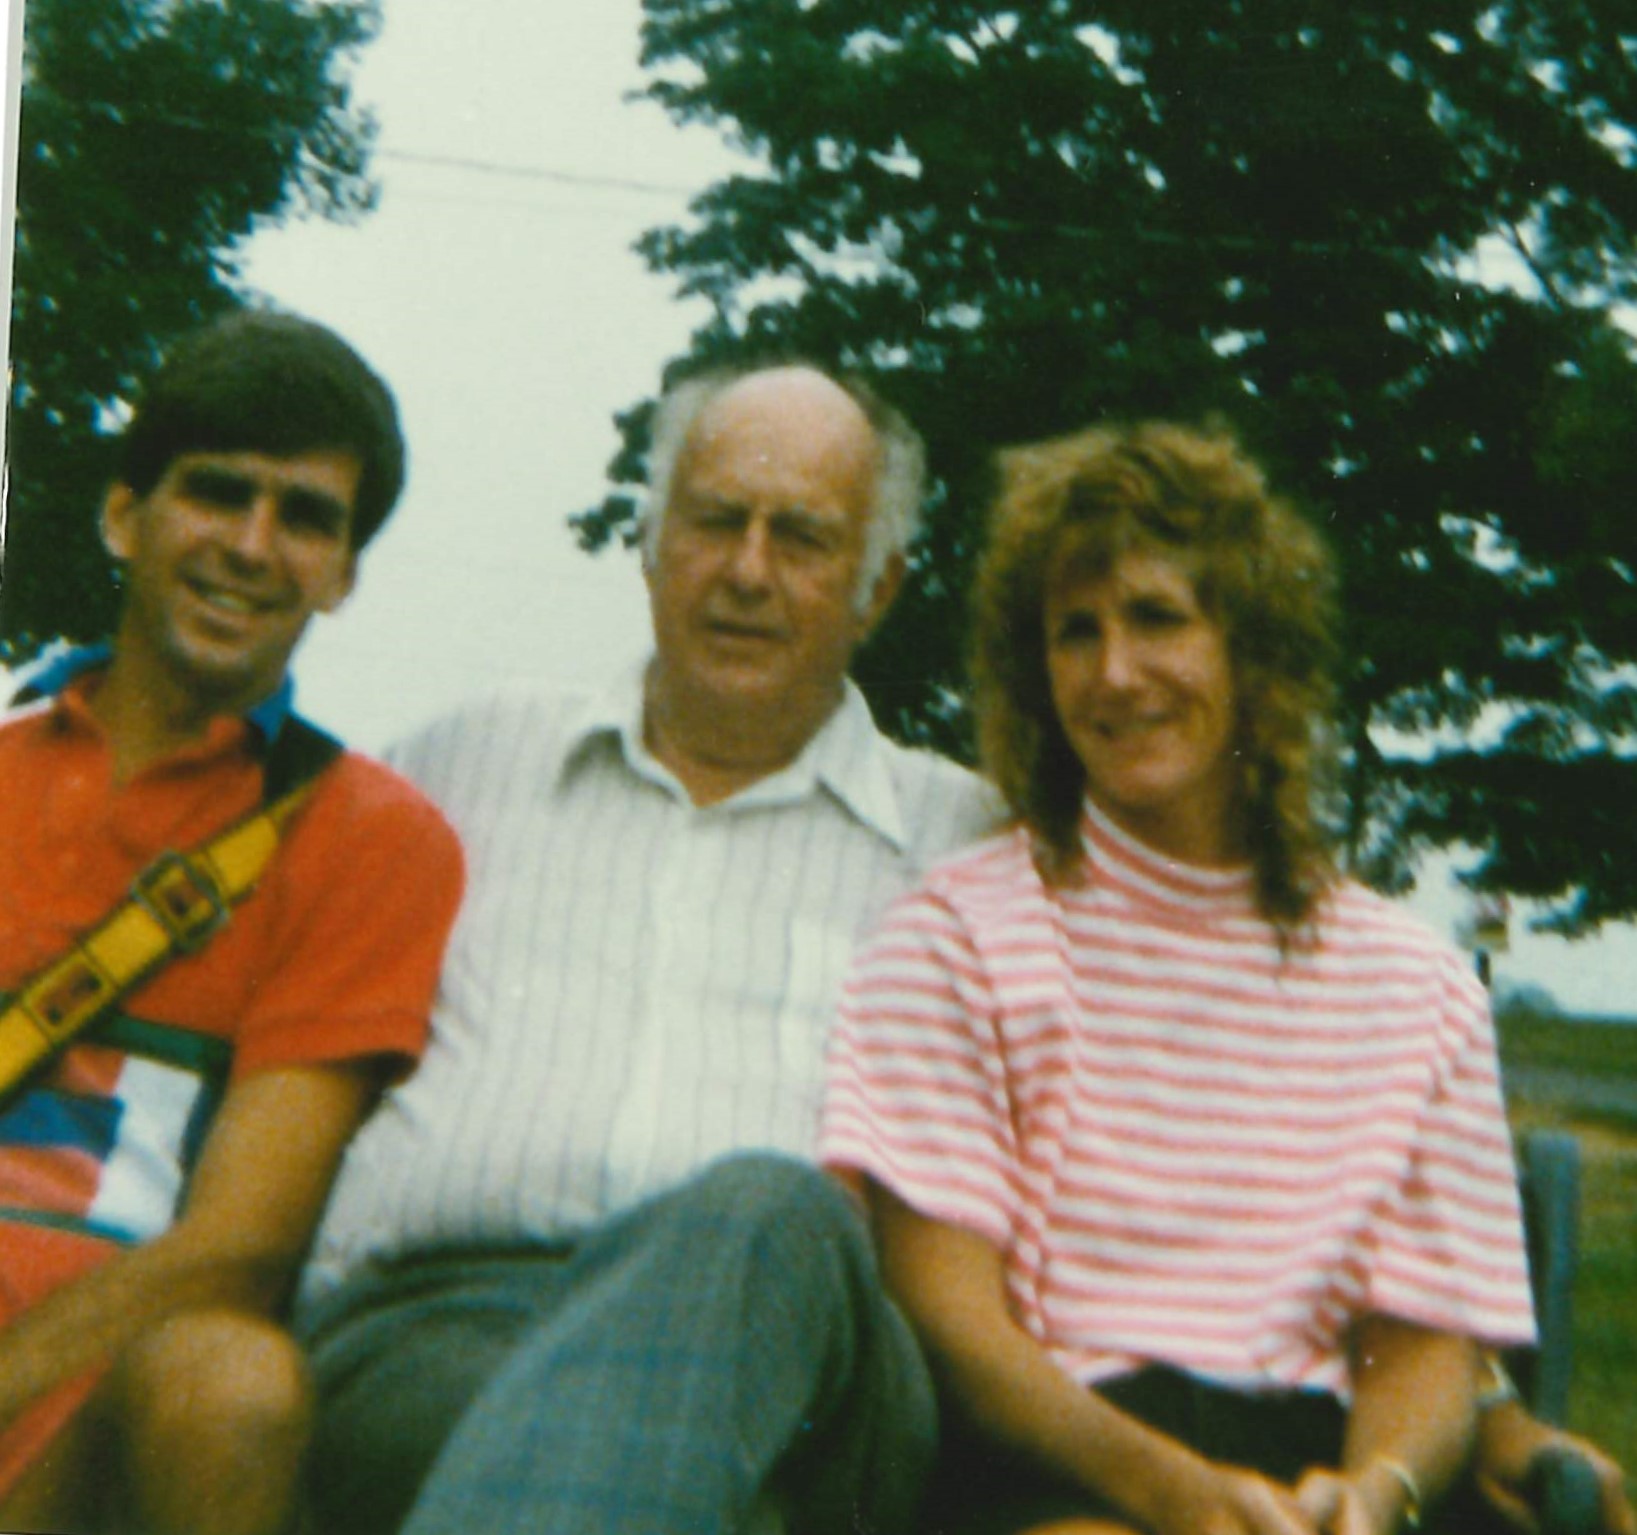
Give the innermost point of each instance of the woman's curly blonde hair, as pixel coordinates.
(1259, 570)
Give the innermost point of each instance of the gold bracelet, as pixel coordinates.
(1412, 1488)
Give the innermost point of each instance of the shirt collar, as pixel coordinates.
(274, 711)
(848, 757)
(1118, 856)
(59, 666)
(613, 711)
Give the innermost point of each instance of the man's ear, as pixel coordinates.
(882, 597)
(342, 587)
(648, 534)
(118, 521)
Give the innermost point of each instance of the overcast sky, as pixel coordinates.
(496, 290)
(499, 295)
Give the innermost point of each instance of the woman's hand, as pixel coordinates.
(1225, 1500)
(1371, 1501)
(1510, 1441)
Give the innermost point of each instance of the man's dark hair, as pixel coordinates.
(261, 382)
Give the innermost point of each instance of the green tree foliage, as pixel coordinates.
(155, 136)
(1020, 218)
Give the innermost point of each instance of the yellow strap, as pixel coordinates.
(177, 904)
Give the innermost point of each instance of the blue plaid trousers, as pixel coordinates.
(665, 1374)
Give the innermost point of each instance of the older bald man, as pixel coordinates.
(579, 1273)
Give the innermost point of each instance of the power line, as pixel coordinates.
(1245, 244)
(111, 112)
(535, 173)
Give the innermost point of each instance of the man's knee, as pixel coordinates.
(764, 1193)
(785, 1238)
(211, 1413)
(213, 1377)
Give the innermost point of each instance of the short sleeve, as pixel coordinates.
(362, 897)
(916, 1085)
(1447, 1249)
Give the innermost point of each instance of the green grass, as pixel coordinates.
(1602, 1403)
(1585, 1045)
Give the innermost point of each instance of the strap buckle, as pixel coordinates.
(182, 897)
(72, 989)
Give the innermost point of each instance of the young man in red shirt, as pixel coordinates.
(160, 1178)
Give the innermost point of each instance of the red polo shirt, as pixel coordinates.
(333, 958)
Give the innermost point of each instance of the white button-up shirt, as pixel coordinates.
(636, 985)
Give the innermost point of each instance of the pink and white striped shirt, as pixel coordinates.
(1190, 1148)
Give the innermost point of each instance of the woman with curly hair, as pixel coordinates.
(1186, 1153)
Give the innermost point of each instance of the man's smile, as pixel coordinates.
(230, 597)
